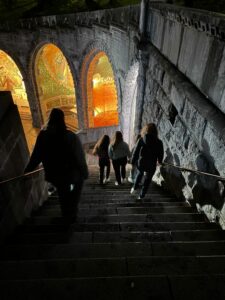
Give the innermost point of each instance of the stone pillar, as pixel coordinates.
(143, 16)
(141, 83)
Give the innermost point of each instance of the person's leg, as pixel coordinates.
(137, 179)
(69, 196)
(63, 191)
(116, 166)
(101, 170)
(123, 163)
(107, 169)
(147, 180)
(75, 197)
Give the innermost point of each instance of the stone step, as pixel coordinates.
(107, 267)
(115, 227)
(109, 237)
(120, 211)
(104, 250)
(119, 288)
(50, 205)
(163, 217)
(117, 200)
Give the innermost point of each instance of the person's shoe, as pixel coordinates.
(130, 179)
(140, 197)
(116, 183)
(133, 191)
(123, 180)
(106, 180)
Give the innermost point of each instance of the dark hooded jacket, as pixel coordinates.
(147, 151)
(62, 157)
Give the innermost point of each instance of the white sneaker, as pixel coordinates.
(133, 191)
(107, 180)
(116, 183)
(130, 179)
(123, 180)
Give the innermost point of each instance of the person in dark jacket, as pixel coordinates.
(101, 149)
(133, 170)
(147, 152)
(119, 152)
(61, 153)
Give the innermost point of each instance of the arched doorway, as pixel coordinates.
(102, 106)
(55, 84)
(11, 80)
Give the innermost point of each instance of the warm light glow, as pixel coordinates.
(103, 93)
(12, 80)
(55, 84)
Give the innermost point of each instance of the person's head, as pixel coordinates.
(56, 120)
(137, 137)
(103, 142)
(117, 138)
(149, 129)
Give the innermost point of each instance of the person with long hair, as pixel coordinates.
(101, 149)
(119, 152)
(61, 153)
(147, 152)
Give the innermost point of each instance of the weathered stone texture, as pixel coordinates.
(76, 35)
(20, 196)
(193, 41)
(193, 137)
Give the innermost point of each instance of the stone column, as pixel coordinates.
(141, 83)
(143, 16)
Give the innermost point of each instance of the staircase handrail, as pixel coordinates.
(185, 169)
(21, 176)
(182, 169)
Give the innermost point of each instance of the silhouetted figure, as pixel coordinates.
(148, 151)
(101, 149)
(118, 152)
(63, 159)
(133, 170)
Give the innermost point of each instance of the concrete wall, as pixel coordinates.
(19, 197)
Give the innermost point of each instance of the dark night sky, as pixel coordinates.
(11, 9)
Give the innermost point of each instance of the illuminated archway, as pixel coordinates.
(55, 84)
(101, 93)
(12, 80)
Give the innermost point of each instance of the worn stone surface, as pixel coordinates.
(19, 197)
(94, 261)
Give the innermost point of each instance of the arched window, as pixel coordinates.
(101, 93)
(55, 84)
(11, 80)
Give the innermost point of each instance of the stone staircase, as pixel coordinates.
(119, 248)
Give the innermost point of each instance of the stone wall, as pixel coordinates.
(194, 41)
(185, 96)
(18, 197)
(192, 130)
(79, 36)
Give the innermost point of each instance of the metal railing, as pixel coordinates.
(184, 169)
(20, 176)
(164, 164)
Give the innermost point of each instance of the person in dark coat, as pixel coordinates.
(147, 152)
(133, 170)
(101, 149)
(119, 152)
(61, 153)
